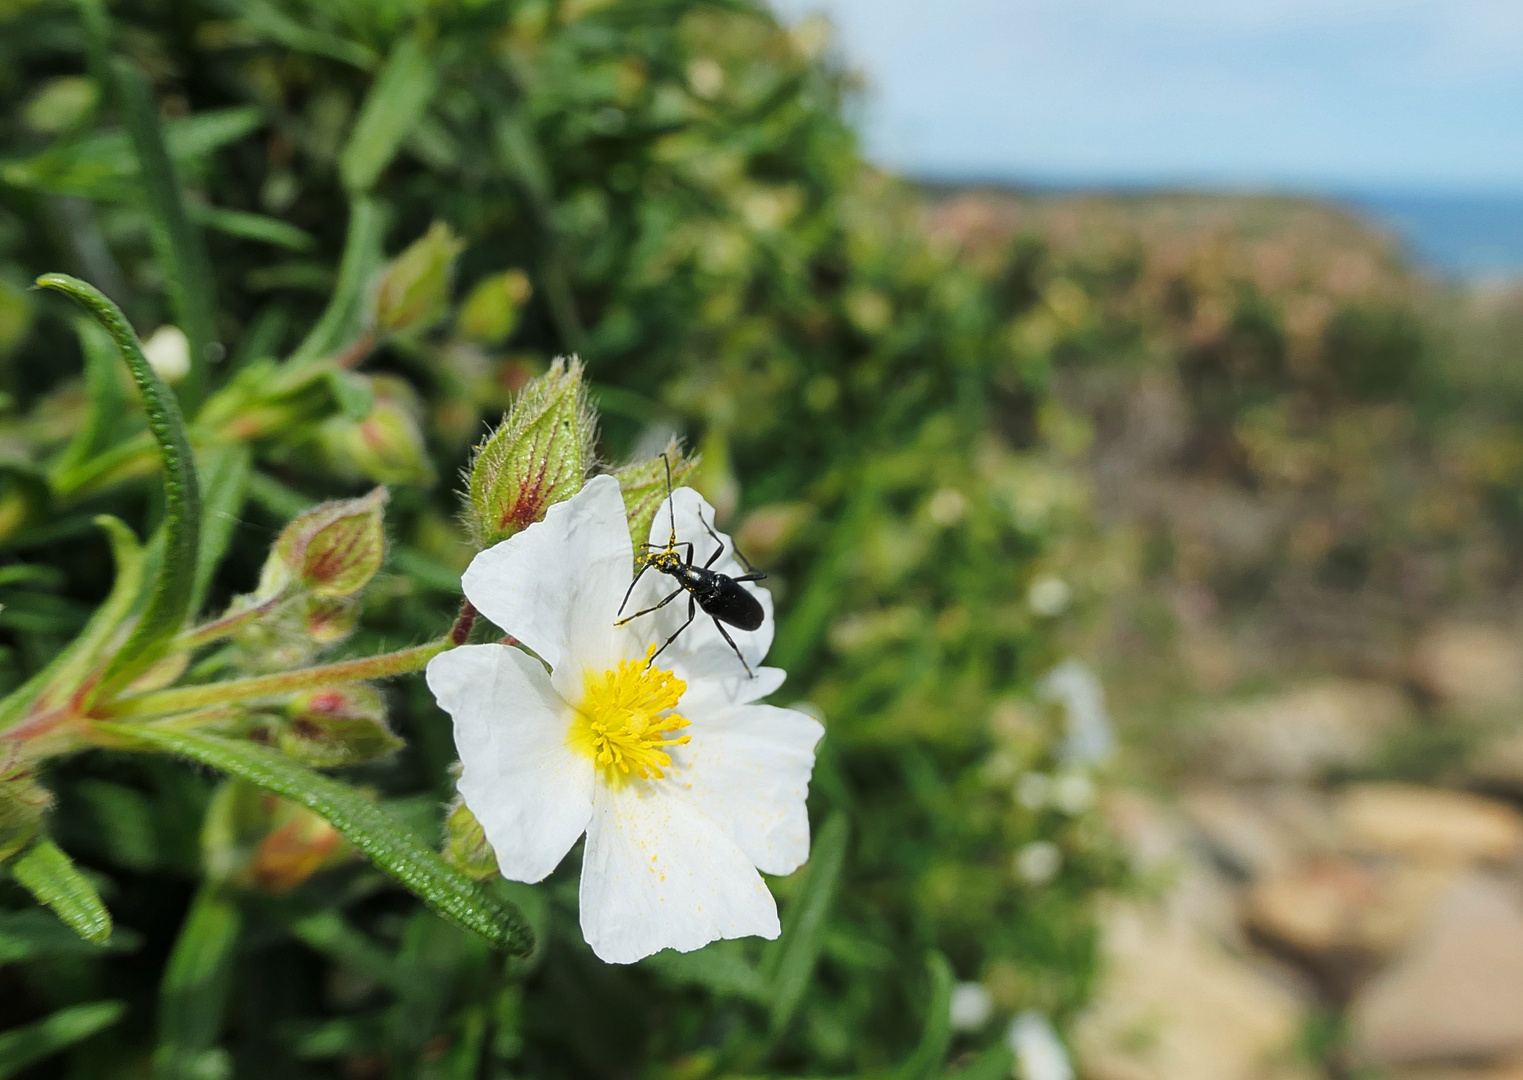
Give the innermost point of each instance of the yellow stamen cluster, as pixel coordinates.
(620, 722)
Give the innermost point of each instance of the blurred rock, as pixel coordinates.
(1302, 733)
(1175, 1005)
(1469, 666)
(1456, 994)
(1505, 1071)
(1429, 823)
(1241, 833)
(1321, 906)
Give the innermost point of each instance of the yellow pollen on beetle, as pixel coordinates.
(623, 722)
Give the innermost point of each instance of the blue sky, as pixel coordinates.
(1421, 95)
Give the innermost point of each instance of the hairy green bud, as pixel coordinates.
(490, 311)
(537, 457)
(337, 725)
(331, 551)
(465, 844)
(412, 293)
(23, 801)
(643, 485)
(387, 445)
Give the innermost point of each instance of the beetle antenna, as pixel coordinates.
(671, 509)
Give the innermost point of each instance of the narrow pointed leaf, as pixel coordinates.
(50, 876)
(342, 320)
(23, 1047)
(791, 960)
(63, 674)
(361, 821)
(197, 979)
(936, 1036)
(169, 600)
(224, 472)
(247, 226)
(177, 242)
(397, 100)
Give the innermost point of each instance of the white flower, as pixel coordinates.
(970, 1007)
(1039, 1055)
(1091, 737)
(684, 787)
(167, 351)
(1038, 862)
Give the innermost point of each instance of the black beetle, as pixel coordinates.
(719, 595)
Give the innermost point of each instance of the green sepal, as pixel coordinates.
(172, 590)
(364, 824)
(538, 456)
(51, 877)
(644, 487)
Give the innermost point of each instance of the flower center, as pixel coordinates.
(620, 722)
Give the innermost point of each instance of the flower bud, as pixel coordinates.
(167, 351)
(643, 485)
(490, 311)
(255, 839)
(337, 725)
(465, 844)
(386, 446)
(23, 801)
(331, 551)
(329, 620)
(539, 455)
(413, 291)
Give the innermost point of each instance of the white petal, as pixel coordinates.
(700, 650)
(657, 875)
(721, 682)
(748, 769)
(557, 585)
(531, 792)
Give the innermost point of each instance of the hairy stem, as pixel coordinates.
(183, 699)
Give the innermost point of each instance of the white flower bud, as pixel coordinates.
(1038, 862)
(1049, 596)
(971, 1006)
(1038, 1053)
(167, 351)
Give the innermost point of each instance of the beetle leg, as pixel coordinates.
(726, 635)
(692, 613)
(644, 566)
(754, 575)
(647, 611)
(733, 547)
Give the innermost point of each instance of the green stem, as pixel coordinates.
(183, 699)
(227, 625)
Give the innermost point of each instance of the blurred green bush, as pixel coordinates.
(668, 188)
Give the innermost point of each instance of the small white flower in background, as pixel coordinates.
(1049, 595)
(1091, 737)
(167, 351)
(1038, 862)
(947, 507)
(684, 787)
(1039, 1055)
(1033, 790)
(971, 1006)
(1073, 793)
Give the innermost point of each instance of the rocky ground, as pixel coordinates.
(1299, 921)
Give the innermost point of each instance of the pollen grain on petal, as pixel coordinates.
(624, 722)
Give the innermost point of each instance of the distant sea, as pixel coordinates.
(1459, 236)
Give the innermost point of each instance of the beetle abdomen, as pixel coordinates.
(730, 603)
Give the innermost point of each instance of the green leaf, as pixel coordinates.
(360, 820)
(247, 226)
(197, 978)
(66, 670)
(271, 23)
(721, 968)
(790, 962)
(342, 318)
(328, 933)
(995, 1063)
(177, 243)
(33, 934)
(172, 591)
(49, 875)
(22, 1047)
(224, 472)
(397, 101)
(936, 1036)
